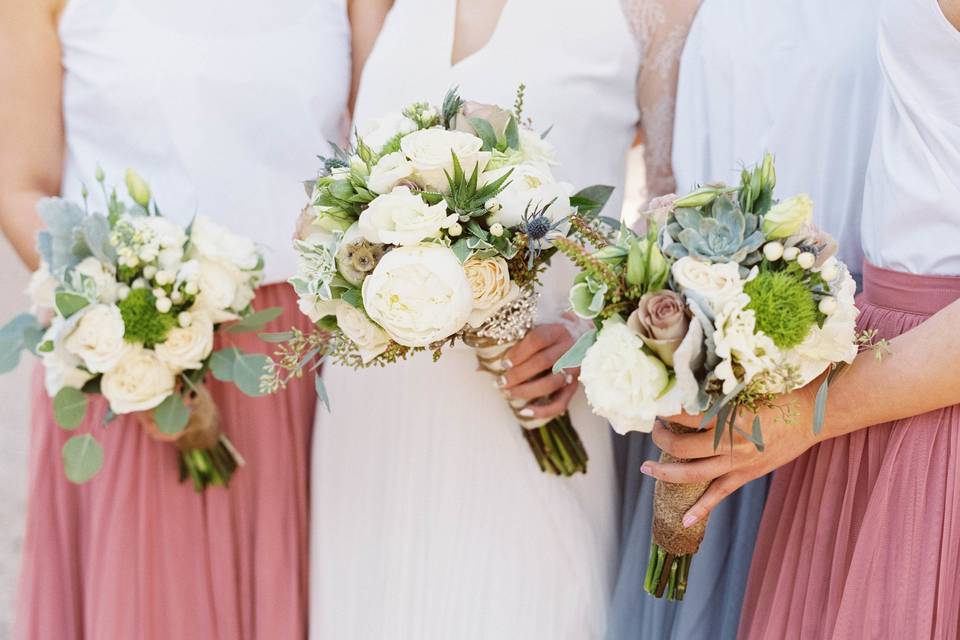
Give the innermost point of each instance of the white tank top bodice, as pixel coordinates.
(221, 106)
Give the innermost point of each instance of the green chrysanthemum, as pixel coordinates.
(141, 320)
(785, 309)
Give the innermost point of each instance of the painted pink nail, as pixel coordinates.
(646, 470)
(506, 364)
(689, 520)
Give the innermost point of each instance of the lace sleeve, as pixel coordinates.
(660, 28)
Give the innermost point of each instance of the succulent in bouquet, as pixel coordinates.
(434, 228)
(126, 305)
(730, 300)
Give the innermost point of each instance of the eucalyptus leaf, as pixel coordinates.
(275, 338)
(575, 355)
(68, 303)
(353, 297)
(22, 332)
(321, 391)
(171, 415)
(512, 133)
(820, 406)
(485, 132)
(248, 368)
(256, 321)
(82, 458)
(723, 416)
(69, 407)
(222, 364)
(757, 438)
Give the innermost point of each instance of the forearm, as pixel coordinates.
(918, 374)
(20, 223)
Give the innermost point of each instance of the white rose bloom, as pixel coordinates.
(715, 284)
(98, 338)
(530, 185)
(215, 242)
(186, 348)
(370, 339)
(402, 218)
(102, 277)
(220, 287)
(737, 342)
(382, 130)
(60, 367)
(389, 170)
(623, 383)
(139, 382)
(419, 295)
(430, 153)
(492, 288)
(41, 289)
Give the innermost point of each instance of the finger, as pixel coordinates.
(689, 421)
(555, 408)
(690, 445)
(702, 470)
(532, 367)
(714, 495)
(538, 339)
(541, 387)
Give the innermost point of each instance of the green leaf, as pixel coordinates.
(69, 407)
(248, 368)
(485, 132)
(820, 406)
(171, 415)
(591, 200)
(256, 321)
(275, 338)
(222, 364)
(22, 332)
(69, 303)
(321, 391)
(575, 355)
(82, 458)
(715, 409)
(512, 133)
(461, 250)
(722, 418)
(353, 297)
(757, 434)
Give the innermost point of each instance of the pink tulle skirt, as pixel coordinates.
(861, 535)
(136, 555)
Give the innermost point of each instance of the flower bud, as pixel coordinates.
(636, 264)
(191, 288)
(122, 292)
(830, 271)
(790, 254)
(164, 305)
(176, 297)
(773, 251)
(768, 172)
(806, 260)
(496, 229)
(138, 188)
(84, 192)
(139, 283)
(165, 277)
(828, 306)
(159, 293)
(455, 229)
(98, 174)
(699, 198)
(149, 272)
(787, 218)
(492, 205)
(184, 319)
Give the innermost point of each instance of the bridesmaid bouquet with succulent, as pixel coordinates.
(433, 228)
(126, 305)
(737, 300)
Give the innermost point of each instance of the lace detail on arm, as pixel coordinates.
(660, 28)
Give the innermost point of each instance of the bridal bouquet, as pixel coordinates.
(737, 300)
(434, 228)
(126, 305)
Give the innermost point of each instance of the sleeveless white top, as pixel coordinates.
(221, 106)
(911, 213)
(798, 79)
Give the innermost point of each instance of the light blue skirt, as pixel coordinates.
(718, 575)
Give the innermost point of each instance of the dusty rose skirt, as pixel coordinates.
(134, 554)
(860, 537)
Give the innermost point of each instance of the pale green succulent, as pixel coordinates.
(719, 232)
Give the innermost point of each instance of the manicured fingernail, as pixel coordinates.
(500, 382)
(646, 470)
(506, 364)
(689, 520)
(526, 413)
(568, 378)
(506, 393)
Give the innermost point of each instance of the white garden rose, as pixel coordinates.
(97, 338)
(430, 153)
(139, 382)
(738, 343)
(401, 218)
(419, 295)
(60, 367)
(212, 241)
(379, 132)
(222, 285)
(41, 289)
(186, 348)
(713, 283)
(370, 339)
(492, 288)
(530, 185)
(389, 170)
(101, 278)
(623, 383)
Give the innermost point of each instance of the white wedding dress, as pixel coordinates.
(430, 517)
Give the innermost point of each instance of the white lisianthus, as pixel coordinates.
(530, 185)
(492, 288)
(713, 283)
(379, 132)
(389, 170)
(222, 285)
(430, 152)
(97, 338)
(370, 339)
(214, 242)
(401, 218)
(41, 289)
(738, 342)
(139, 382)
(623, 383)
(787, 217)
(101, 278)
(186, 348)
(419, 295)
(60, 367)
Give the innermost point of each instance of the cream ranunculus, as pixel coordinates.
(97, 338)
(186, 348)
(370, 339)
(530, 185)
(97, 279)
(431, 151)
(492, 288)
(787, 218)
(60, 367)
(139, 382)
(379, 132)
(401, 218)
(41, 289)
(215, 242)
(713, 284)
(419, 295)
(623, 383)
(388, 172)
